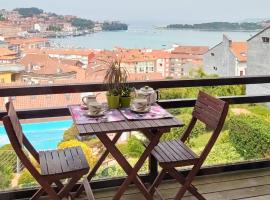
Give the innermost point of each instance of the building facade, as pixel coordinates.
(226, 58)
(258, 62)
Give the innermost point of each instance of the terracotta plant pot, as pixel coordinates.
(125, 102)
(113, 101)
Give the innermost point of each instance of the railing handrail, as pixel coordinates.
(6, 91)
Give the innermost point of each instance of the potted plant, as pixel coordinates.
(125, 97)
(115, 77)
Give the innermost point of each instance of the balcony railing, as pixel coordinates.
(175, 103)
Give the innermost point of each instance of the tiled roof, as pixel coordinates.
(194, 50)
(239, 49)
(22, 41)
(47, 64)
(78, 52)
(6, 52)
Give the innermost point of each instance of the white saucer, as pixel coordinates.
(101, 113)
(146, 110)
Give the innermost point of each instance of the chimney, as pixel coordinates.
(227, 42)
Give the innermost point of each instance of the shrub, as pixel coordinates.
(177, 132)
(223, 151)
(70, 134)
(5, 177)
(26, 179)
(134, 147)
(250, 135)
(86, 150)
(176, 93)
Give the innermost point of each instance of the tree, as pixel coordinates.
(54, 28)
(29, 12)
(2, 18)
(114, 26)
(82, 23)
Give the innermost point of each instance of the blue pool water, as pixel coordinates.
(44, 135)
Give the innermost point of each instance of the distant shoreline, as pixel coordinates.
(213, 30)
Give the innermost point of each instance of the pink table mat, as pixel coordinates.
(156, 112)
(79, 116)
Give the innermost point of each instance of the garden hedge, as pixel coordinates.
(250, 135)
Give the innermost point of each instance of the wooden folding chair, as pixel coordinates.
(171, 154)
(55, 165)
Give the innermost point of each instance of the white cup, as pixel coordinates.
(140, 104)
(94, 108)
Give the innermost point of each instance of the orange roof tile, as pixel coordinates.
(194, 50)
(8, 57)
(21, 41)
(46, 64)
(79, 52)
(6, 52)
(239, 49)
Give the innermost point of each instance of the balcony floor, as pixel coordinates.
(244, 185)
(248, 185)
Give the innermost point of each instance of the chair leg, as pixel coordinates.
(181, 179)
(66, 189)
(50, 191)
(157, 182)
(187, 183)
(88, 189)
(38, 194)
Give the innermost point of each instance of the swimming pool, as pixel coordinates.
(43, 135)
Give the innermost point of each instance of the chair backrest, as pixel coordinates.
(212, 112)
(16, 136)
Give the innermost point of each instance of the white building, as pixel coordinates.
(227, 58)
(258, 62)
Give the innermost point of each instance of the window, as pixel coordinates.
(265, 39)
(212, 54)
(215, 68)
(241, 73)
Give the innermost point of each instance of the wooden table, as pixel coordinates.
(152, 129)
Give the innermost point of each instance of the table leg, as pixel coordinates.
(132, 172)
(97, 165)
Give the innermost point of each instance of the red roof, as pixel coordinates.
(194, 50)
(239, 49)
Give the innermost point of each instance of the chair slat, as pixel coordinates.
(82, 158)
(69, 159)
(63, 161)
(42, 158)
(57, 164)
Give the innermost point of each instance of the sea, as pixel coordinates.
(149, 36)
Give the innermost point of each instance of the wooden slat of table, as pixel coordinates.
(103, 127)
(81, 129)
(96, 127)
(89, 128)
(136, 125)
(117, 126)
(124, 125)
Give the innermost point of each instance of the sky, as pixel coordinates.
(152, 11)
